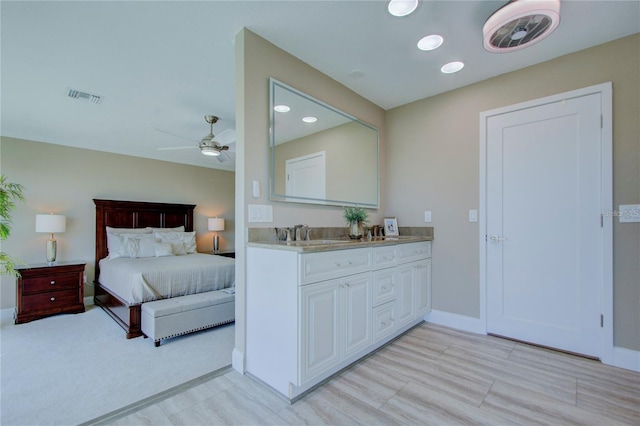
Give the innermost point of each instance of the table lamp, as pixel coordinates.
(216, 224)
(51, 223)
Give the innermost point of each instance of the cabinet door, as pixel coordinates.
(356, 297)
(319, 328)
(406, 306)
(423, 287)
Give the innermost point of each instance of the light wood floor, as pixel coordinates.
(432, 375)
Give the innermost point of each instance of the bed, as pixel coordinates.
(122, 284)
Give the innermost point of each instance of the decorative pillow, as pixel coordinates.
(176, 229)
(119, 247)
(138, 247)
(115, 241)
(187, 239)
(163, 249)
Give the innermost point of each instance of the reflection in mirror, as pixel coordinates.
(320, 155)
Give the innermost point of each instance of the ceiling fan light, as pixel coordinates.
(209, 151)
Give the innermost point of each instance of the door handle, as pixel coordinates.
(497, 239)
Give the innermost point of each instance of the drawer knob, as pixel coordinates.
(53, 282)
(53, 299)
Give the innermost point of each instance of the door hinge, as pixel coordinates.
(601, 121)
(601, 221)
(601, 320)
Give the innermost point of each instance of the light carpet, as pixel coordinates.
(69, 369)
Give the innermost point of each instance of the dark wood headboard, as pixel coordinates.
(137, 214)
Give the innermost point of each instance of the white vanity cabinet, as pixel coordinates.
(310, 314)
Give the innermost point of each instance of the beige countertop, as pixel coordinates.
(331, 244)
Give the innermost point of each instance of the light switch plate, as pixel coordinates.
(629, 213)
(256, 189)
(427, 216)
(473, 215)
(260, 213)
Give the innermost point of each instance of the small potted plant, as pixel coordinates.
(355, 218)
(9, 194)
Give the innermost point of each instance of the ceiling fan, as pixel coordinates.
(208, 145)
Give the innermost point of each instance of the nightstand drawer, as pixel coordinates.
(52, 282)
(50, 301)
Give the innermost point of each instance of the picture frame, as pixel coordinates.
(390, 226)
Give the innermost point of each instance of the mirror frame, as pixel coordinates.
(273, 196)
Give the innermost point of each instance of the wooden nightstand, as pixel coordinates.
(45, 290)
(226, 254)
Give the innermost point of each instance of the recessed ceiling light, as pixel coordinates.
(310, 119)
(452, 67)
(430, 42)
(282, 108)
(402, 7)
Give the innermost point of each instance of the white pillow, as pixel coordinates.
(163, 249)
(188, 239)
(176, 229)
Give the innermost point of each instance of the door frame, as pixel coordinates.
(606, 193)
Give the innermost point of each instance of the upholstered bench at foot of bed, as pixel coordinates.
(162, 319)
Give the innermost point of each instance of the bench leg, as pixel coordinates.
(157, 343)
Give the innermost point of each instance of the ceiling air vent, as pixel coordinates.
(84, 96)
(520, 23)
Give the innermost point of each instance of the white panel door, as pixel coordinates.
(306, 176)
(357, 313)
(320, 304)
(544, 234)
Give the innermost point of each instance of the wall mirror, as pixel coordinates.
(319, 154)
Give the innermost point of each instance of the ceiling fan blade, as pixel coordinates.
(223, 157)
(226, 137)
(173, 134)
(173, 148)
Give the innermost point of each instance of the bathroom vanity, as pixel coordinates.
(313, 308)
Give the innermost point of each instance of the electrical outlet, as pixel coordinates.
(473, 215)
(427, 216)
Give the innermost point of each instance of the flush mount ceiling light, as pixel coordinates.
(430, 42)
(282, 108)
(452, 67)
(520, 23)
(402, 7)
(310, 119)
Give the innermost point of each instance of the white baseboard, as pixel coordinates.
(88, 301)
(237, 360)
(626, 358)
(457, 321)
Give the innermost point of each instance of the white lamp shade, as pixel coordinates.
(216, 224)
(51, 223)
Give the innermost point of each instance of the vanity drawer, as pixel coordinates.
(384, 321)
(413, 251)
(384, 286)
(384, 257)
(323, 266)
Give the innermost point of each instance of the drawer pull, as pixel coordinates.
(53, 282)
(53, 299)
(384, 287)
(338, 264)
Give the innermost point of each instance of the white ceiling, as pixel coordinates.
(164, 65)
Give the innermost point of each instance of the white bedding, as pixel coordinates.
(144, 279)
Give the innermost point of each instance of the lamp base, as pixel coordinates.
(51, 251)
(216, 244)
